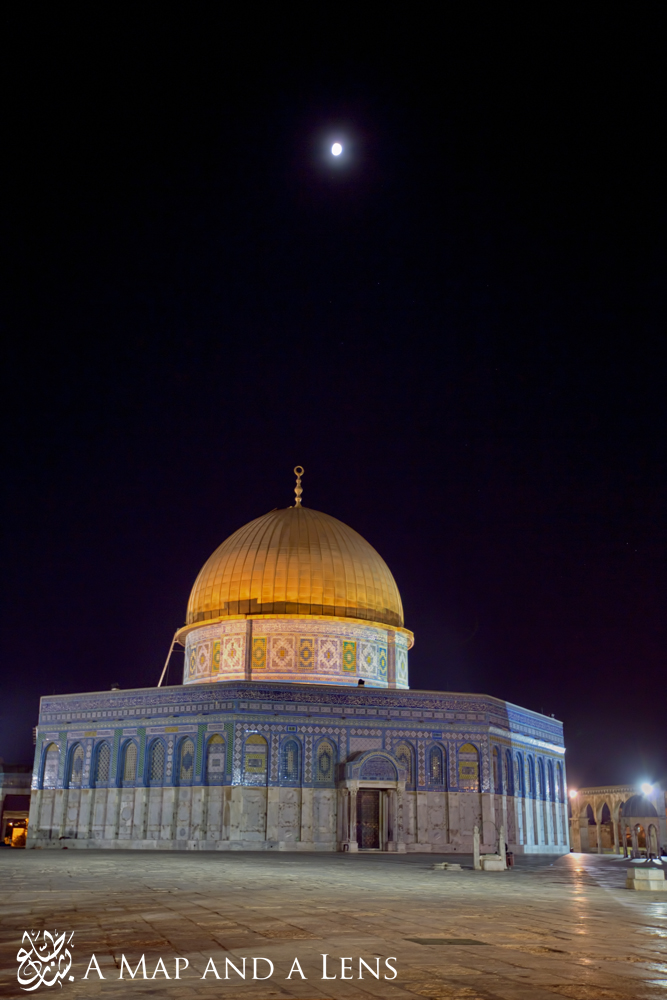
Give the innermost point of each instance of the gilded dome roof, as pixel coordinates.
(296, 561)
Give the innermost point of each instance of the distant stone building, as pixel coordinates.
(618, 819)
(15, 782)
(294, 728)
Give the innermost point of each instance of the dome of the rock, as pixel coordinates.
(296, 595)
(296, 561)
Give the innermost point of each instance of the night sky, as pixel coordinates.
(458, 329)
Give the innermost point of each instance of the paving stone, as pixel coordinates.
(563, 928)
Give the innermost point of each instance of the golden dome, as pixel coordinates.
(296, 561)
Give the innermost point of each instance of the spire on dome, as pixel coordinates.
(298, 472)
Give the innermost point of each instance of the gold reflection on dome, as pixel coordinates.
(296, 561)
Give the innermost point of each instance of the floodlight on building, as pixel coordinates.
(573, 793)
(646, 788)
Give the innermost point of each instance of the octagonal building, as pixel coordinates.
(294, 727)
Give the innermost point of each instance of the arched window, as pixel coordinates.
(255, 760)
(187, 763)
(405, 755)
(497, 774)
(436, 767)
(509, 773)
(215, 760)
(102, 765)
(51, 765)
(76, 767)
(559, 780)
(540, 770)
(531, 777)
(289, 761)
(130, 765)
(156, 759)
(468, 768)
(550, 781)
(520, 776)
(326, 762)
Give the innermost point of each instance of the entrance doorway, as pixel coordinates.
(368, 819)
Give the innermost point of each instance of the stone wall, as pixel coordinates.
(229, 817)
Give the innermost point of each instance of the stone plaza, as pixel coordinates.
(545, 929)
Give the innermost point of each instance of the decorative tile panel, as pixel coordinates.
(259, 652)
(233, 655)
(307, 654)
(349, 657)
(367, 659)
(282, 654)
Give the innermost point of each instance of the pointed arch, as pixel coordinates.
(551, 785)
(405, 755)
(290, 761)
(102, 770)
(436, 767)
(75, 769)
(255, 760)
(497, 772)
(469, 768)
(186, 761)
(325, 762)
(128, 768)
(50, 766)
(216, 758)
(156, 760)
(560, 784)
(509, 773)
(542, 790)
(520, 775)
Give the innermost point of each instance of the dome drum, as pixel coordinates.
(304, 650)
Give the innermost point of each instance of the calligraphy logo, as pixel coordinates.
(43, 963)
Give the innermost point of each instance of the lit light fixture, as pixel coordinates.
(646, 788)
(573, 793)
(336, 149)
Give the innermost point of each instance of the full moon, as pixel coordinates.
(336, 149)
